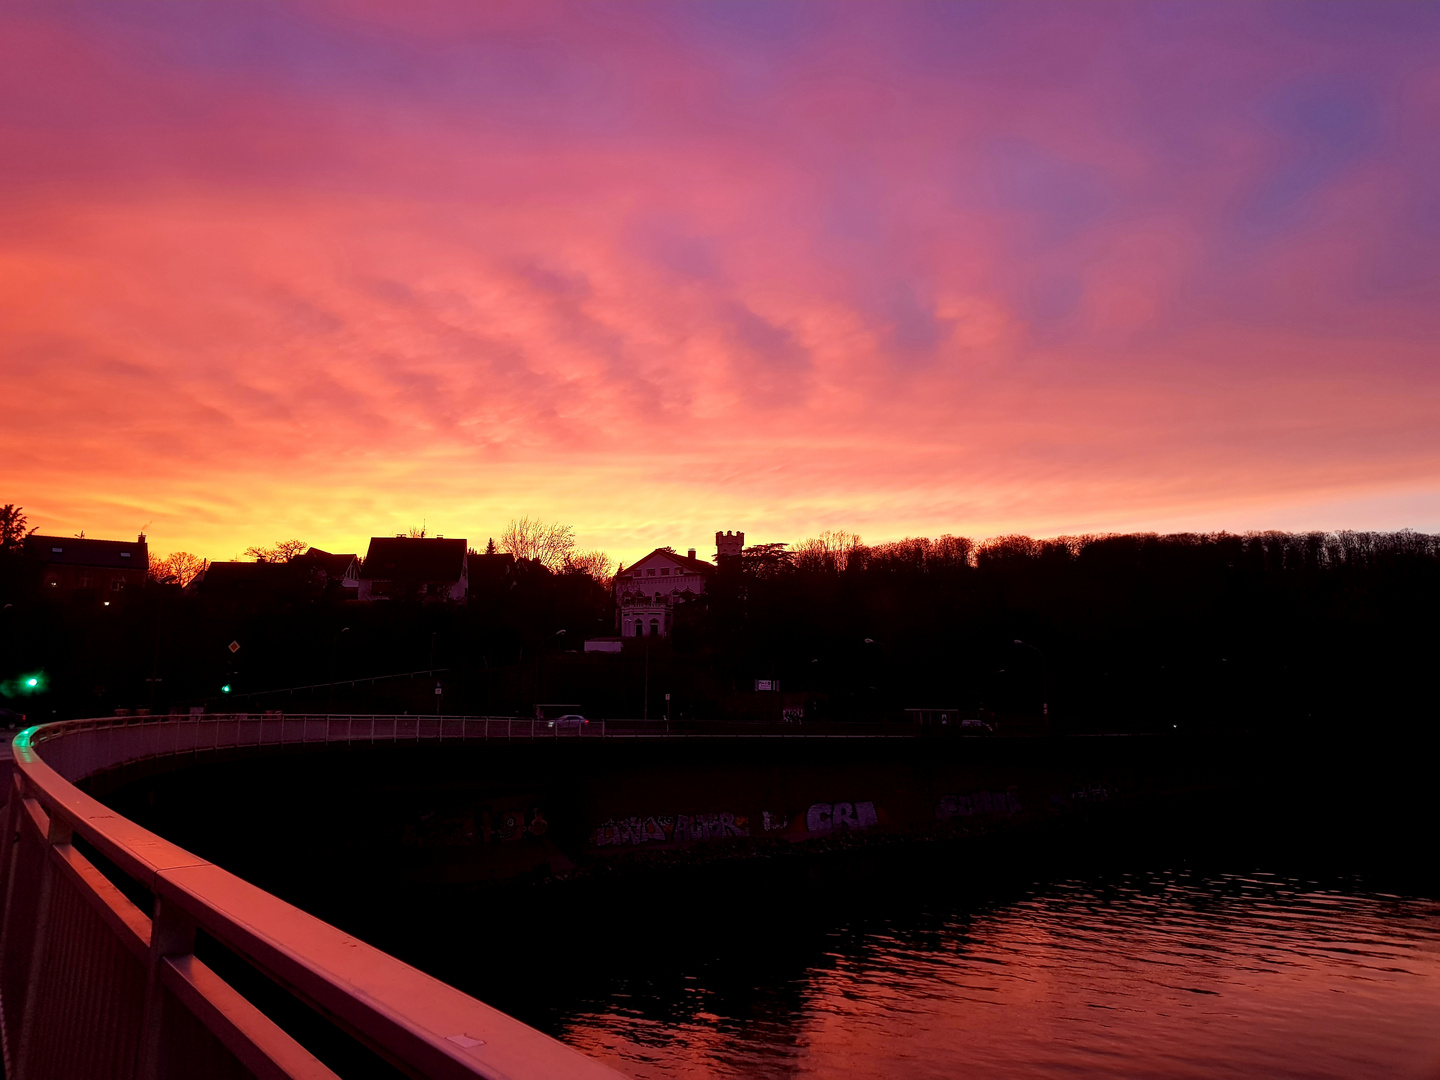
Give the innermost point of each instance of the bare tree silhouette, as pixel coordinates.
(280, 551)
(549, 545)
(595, 563)
(179, 568)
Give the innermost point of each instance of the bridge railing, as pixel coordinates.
(117, 740)
(94, 983)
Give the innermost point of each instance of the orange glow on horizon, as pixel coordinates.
(343, 288)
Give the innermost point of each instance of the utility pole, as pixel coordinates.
(1044, 680)
(154, 666)
(645, 706)
(334, 652)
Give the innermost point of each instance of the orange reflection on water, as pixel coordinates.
(1233, 977)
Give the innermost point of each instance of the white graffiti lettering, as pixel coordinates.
(979, 802)
(840, 816)
(664, 828)
(774, 822)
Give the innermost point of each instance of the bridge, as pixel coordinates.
(99, 975)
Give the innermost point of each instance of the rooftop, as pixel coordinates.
(82, 551)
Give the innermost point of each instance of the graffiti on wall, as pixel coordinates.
(824, 817)
(774, 822)
(504, 825)
(670, 829)
(477, 825)
(979, 802)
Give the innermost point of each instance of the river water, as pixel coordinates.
(1155, 974)
(1287, 926)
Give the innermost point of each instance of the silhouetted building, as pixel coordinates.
(646, 593)
(403, 567)
(341, 571)
(728, 543)
(492, 568)
(257, 586)
(77, 566)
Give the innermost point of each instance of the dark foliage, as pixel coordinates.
(1127, 632)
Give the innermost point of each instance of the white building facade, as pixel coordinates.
(647, 593)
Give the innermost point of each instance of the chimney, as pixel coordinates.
(691, 553)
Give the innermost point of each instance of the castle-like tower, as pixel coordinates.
(728, 543)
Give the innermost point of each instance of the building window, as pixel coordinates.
(649, 573)
(654, 627)
(664, 571)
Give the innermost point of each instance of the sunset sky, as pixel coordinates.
(335, 270)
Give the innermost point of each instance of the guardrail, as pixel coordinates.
(136, 738)
(94, 985)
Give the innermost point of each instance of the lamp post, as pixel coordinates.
(1044, 679)
(539, 655)
(334, 652)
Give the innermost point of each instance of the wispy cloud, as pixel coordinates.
(656, 270)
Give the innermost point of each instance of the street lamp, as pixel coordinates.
(334, 654)
(1044, 678)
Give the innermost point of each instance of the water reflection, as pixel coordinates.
(1141, 975)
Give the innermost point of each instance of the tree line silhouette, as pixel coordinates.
(1113, 633)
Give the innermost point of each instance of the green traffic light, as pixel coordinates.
(32, 682)
(225, 689)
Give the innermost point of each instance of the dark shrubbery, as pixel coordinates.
(1133, 632)
(1136, 631)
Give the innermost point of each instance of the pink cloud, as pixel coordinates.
(608, 266)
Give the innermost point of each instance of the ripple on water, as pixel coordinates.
(1143, 976)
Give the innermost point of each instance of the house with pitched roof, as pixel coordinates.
(432, 569)
(76, 565)
(259, 586)
(340, 571)
(647, 592)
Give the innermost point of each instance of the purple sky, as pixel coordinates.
(653, 270)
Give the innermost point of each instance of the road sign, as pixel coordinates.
(234, 646)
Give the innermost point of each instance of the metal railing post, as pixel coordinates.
(7, 853)
(172, 933)
(14, 821)
(59, 833)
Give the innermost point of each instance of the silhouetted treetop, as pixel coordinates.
(539, 541)
(280, 551)
(12, 528)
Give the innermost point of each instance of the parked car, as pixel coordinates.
(975, 727)
(12, 719)
(568, 722)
